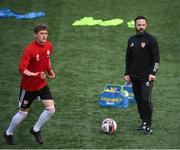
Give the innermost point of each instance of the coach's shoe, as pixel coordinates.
(37, 136)
(141, 127)
(148, 130)
(9, 139)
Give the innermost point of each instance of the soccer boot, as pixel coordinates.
(37, 136)
(9, 139)
(148, 130)
(141, 127)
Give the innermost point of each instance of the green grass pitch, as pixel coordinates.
(85, 59)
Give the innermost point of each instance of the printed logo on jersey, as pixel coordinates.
(37, 57)
(143, 44)
(147, 83)
(48, 53)
(25, 102)
(132, 44)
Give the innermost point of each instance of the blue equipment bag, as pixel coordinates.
(113, 96)
(128, 87)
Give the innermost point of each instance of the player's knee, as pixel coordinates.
(51, 110)
(23, 113)
(145, 100)
(24, 110)
(145, 103)
(19, 117)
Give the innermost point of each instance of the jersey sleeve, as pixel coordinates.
(49, 67)
(155, 56)
(24, 62)
(127, 60)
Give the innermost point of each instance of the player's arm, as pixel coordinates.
(127, 67)
(50, 71)
(24, 62)
(41, 75)
(155, 58)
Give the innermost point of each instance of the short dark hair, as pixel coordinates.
(40, 27)
(140, 17)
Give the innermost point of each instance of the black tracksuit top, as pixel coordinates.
(142, 56)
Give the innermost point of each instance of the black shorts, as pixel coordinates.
(27, 97)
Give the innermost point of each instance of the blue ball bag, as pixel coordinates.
(113, 96)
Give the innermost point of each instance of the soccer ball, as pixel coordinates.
(109, 125)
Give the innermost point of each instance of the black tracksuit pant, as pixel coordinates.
(142, 92)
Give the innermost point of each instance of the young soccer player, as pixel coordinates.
(34, 65)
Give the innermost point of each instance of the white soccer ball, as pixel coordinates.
(109, 125)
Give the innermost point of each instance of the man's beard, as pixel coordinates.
(140, 31)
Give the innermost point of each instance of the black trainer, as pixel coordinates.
(148, 130)
(37, 136)
(9, 139)
(141, 127)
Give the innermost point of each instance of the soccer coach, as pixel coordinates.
(142, 63)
